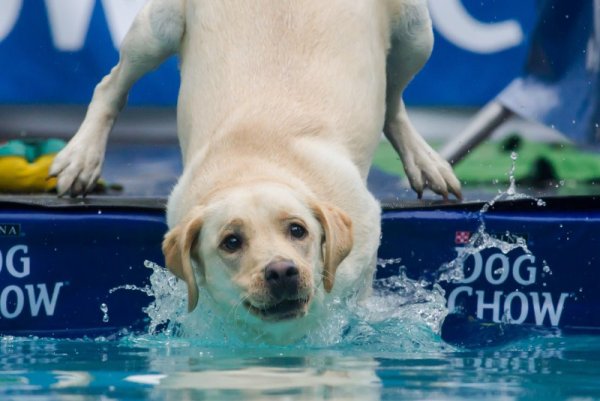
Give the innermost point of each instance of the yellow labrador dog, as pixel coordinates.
(280, 110)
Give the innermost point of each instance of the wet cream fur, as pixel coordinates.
(280, 110)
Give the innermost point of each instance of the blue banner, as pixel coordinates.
(55, 51)
(61, 263)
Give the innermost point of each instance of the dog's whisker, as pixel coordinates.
(235, 308)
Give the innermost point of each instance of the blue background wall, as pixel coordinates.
(470, 64)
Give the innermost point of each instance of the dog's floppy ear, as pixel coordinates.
(337, 241)
(177, 246)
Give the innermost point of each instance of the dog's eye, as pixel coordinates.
(232, 243)
(297, 231)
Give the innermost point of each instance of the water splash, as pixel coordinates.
(407, 299)
(453, 271)
(545, 268)
(387, 262)
(511, 192)
(104, 310)
(402, 314)
(169, 303)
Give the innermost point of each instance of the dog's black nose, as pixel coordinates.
(282, 279)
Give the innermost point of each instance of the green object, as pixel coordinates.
(490, 162)
(31, 149)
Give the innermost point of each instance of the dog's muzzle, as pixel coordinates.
(282, 279)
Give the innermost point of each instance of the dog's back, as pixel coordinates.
(281, 107)
(274, 59)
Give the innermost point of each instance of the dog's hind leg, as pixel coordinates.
(411, 46)
(155, 34)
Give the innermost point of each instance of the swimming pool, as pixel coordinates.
(388, 349)
(381, 361)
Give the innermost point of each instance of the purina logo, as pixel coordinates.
(10, 230)
(464, 237)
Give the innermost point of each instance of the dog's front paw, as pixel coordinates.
(425, 168)
(77, 167)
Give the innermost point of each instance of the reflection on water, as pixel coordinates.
(165, 369)
(341, 361)
(548, 367)
(303, 377)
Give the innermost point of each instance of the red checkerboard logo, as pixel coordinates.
(462, 237)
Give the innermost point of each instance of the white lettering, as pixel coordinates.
(497, 268)
(5, 304)
(43, 298)
(531, 308)
(454, 22)
(503, 270)
(494, 305)
(455, 292)
(8, 16)
(508, 307)
(531, 269)
(69, 22)
(120, 15)
(547, 308)
(10, 259)
(8, 230)
(477, 267)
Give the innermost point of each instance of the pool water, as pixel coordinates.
(387, 349)
(155, 367)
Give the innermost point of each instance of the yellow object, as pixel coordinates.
(18, 175)
(24, 166)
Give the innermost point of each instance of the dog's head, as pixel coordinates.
(263, 248)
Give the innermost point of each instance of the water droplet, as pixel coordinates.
(104, 310)
(385, 262)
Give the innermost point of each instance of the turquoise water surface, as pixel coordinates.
(552, 367)
(388, 349)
